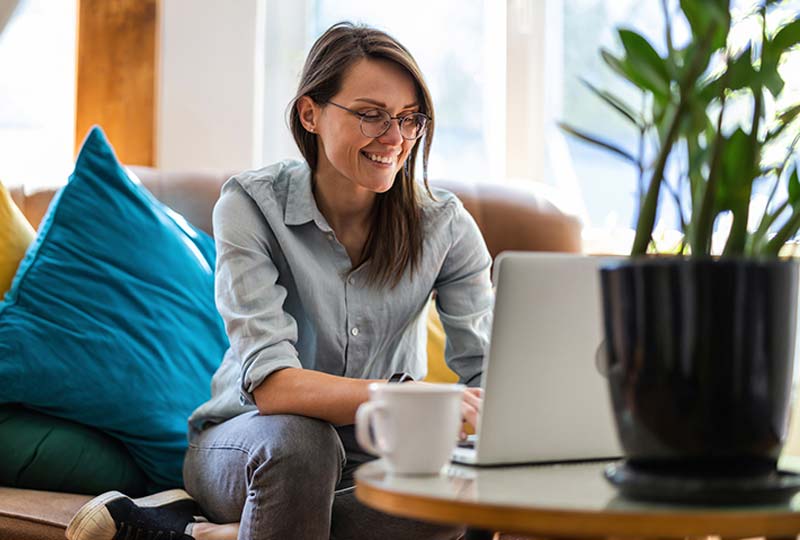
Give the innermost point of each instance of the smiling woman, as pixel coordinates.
(354, 160)
(324, 270)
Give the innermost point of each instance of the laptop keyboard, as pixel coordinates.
(469, 442)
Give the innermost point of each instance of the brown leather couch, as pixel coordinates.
(509, 218)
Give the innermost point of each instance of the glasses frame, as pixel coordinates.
(400, 120)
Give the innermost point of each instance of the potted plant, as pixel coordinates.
(700, 341)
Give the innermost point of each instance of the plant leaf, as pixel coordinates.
(794, 189)
(598, 142)
(644, 61)
(769, 75)
(786, 38)
(616, 103)
(708, 18)
(622, 67)
(789, 114)
(737, 171)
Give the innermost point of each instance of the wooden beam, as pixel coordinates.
(116, 75)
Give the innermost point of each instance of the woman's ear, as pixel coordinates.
(308, 112)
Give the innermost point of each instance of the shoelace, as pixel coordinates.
(128, 531)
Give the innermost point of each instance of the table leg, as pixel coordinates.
(478, 534)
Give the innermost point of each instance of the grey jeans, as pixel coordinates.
(289, 477)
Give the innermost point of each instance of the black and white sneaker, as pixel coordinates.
(114, 516)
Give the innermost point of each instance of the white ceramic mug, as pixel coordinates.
(415, 426)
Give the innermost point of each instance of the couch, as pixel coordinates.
(510, 218)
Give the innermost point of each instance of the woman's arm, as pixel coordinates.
(464, 297)
(312, 393)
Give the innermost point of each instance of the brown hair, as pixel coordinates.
(395, 239)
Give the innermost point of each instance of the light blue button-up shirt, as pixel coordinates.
(289, 297)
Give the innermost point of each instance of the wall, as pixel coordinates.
(211, 84)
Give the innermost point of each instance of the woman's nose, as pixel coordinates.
(392, 135)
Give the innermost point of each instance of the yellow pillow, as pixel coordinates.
(438, 372)
(16, 234)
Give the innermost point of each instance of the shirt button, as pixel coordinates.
(354, 331)
(330, 236)
(352, 281)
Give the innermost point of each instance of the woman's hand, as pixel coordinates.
(471, 407)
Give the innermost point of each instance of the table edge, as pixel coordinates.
(578, 523)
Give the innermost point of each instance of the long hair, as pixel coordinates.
(395, 240)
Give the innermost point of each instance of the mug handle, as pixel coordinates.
(364, 415)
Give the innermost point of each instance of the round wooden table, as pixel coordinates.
(563, 501)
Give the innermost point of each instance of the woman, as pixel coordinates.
(324, 269)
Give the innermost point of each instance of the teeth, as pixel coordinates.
(380, 159)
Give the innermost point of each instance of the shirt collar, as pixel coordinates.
(301, 207)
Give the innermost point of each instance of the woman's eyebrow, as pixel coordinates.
(383, 105)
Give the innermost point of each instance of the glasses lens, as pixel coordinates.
(413, 126)
(375, 123)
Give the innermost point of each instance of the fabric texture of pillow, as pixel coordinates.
(110, 321)
(438, 372)
(47, 453)
(16, 234)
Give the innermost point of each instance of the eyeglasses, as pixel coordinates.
(375, 122)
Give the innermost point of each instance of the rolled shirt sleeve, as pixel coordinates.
(248, 296)
(464, 298)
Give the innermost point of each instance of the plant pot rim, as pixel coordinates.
(675, 260)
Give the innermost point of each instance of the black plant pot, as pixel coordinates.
(700, 358)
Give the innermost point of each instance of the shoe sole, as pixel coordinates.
(94, 522)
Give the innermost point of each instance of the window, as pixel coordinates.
(608, 184)
(502, 74)
(37, 93)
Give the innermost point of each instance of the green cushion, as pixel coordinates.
(48, 453)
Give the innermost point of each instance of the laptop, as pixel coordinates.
(545, 399)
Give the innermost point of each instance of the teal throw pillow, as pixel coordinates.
(110, 320)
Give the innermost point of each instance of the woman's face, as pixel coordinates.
(370, 163)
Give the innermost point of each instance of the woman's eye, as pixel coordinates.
(372, 117)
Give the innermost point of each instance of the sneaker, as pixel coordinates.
(114, 516)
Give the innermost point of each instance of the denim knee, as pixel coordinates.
(304, 451)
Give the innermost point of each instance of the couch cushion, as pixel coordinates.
(48, 453)
(16, 234)
(111, 321)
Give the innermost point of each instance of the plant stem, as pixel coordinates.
(737, 239)
(668, 28)
(647, 213)
(738, 236)
(701, 242)
(785, 233)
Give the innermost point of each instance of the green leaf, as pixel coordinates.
(740, 71)
(616, 103)
(613, 62)
(786, 116)
(622, 67)
(644, 61)
(786, 38)
(708, 19)
(738, 172)
(794, 189)
(785, 119)
(598, 142)
(769, 75)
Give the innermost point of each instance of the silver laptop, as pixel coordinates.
(544, 397)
